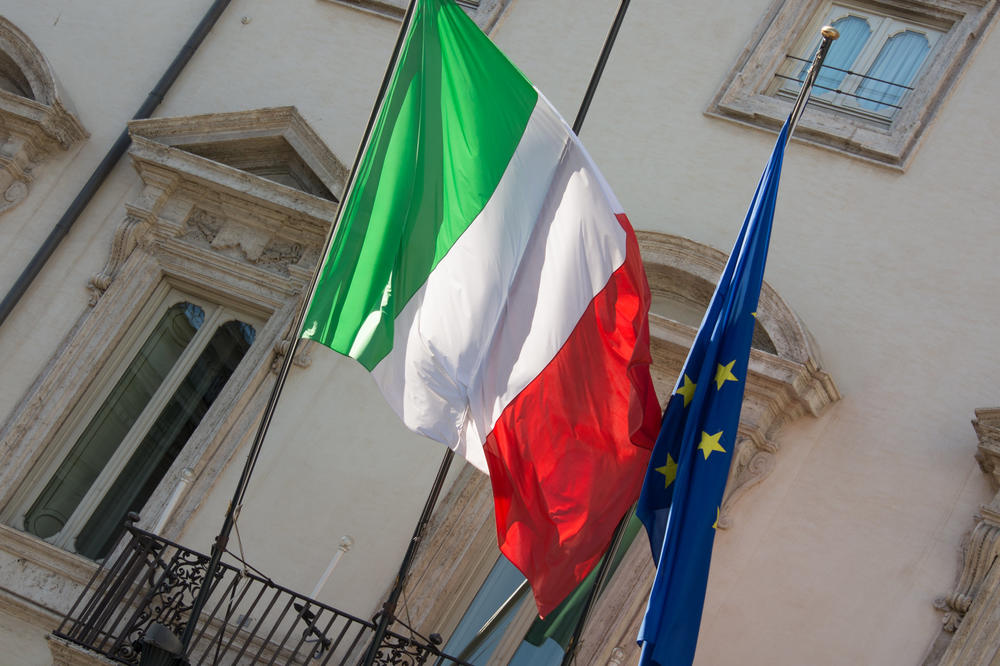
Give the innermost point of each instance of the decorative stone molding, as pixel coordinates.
(303, 353)
(65, 653)
(38, 580)
(34, 121)
(987, 425)
(485, 13)
(980, 552)
(746, 93)
(202, 227)
(127, 236)
(785, 383)
(972, 609)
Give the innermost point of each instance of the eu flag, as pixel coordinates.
(682, 492)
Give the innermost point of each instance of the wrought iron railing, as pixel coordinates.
(249, 619)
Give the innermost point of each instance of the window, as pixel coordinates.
(502, 582)
(511, 641)
(121, 441)
(883, 80)
(869, 69)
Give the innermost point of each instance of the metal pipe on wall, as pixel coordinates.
(100, 174)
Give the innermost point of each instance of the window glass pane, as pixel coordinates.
(854, 33)
(499, 585)
(896, 66)
(165, 439)
(113, 420)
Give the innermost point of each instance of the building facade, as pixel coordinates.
(861, 521)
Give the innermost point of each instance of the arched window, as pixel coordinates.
(31, 111)
(125, 443)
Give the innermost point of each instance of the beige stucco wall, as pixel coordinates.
(837, 557)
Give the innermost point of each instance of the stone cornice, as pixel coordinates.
(987, 425)
(25, 546)
(154, 160)
(284, 121)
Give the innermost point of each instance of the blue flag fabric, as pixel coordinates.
(682, 492)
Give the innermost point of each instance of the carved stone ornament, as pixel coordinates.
(303, 353)
(34, 122)
(972, 609)
(254, 187)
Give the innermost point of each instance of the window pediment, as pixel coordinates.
(269, 156)
(203, 203)
(34, 121)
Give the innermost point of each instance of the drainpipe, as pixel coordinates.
(118, 149)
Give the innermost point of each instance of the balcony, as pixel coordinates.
(145, 594)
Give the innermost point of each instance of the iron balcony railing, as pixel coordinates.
(248, 619)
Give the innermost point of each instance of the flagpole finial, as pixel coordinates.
(829, 34)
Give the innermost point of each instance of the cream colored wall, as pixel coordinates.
(838, 556)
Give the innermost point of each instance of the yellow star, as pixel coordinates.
(725, 374)
(669, 471)
(715, 525)
(753, 314)
(687, 390)
(710, 443)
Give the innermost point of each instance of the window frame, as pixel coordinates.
(163, 297)
(884, 28)
(748, 94)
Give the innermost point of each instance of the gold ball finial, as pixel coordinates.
(830, 32)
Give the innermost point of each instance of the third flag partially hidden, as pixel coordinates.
(681, 495)
(486, 275)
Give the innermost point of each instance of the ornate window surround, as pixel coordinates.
(485, 13)
(204, 228)
(971, 610)
(744, 95)
(31, 129)
(786, 382)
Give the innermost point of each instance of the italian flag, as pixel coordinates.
(485, 274)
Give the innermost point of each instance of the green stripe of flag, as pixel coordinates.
(453, 115)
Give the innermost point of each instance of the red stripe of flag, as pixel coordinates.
(568, 455)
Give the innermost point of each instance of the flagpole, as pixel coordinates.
(222, 539)
(595, 78)
(602, 575)
(388, 612)
(829, 34)
(498, 616)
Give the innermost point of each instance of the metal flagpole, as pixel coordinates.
(602, 576)
(595, 78)
(388, 613)
(222, 539)
(491, 624)
(829, 34)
